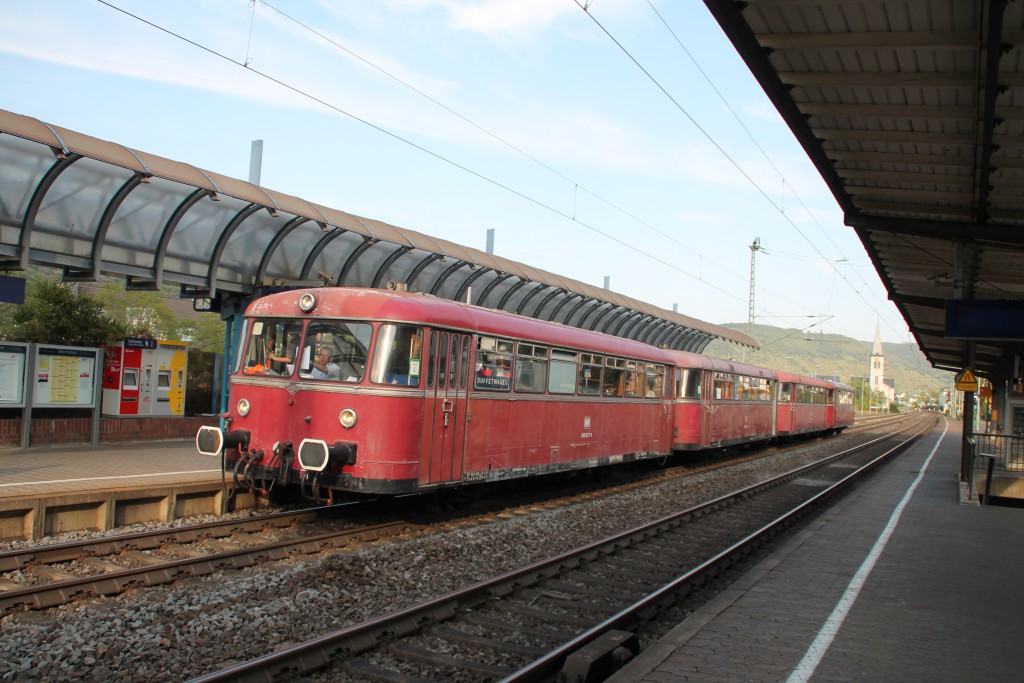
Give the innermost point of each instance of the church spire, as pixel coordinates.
(877, 350)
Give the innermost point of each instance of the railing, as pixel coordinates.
(1007, 451)
(993, 453)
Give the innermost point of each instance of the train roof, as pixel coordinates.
(697, 360)
(378, 304)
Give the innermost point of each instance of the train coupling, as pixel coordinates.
(315, 454)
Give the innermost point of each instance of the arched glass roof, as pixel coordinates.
(93, 208)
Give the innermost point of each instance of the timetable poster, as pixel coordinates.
(65, 377)
(12, 374)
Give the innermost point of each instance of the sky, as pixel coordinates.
(625, 140)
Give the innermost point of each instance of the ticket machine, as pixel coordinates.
(144, 377)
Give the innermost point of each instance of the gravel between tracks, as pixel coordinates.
(193, 627)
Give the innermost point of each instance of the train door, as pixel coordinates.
(707, 424)
(447, 389)
(830, 409)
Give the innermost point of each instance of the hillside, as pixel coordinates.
(832, 354)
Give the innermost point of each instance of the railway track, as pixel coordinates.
(578, 610)
(45, 576)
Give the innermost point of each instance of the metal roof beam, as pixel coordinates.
(926, 301)
(490, 288)
(275, 242)
(993, 51)
(448, 272)
(28, 223)
(508, 295)
(468, 282)
(388, 262)
(947, 230)
(100, 236)
(222, 243)
(544, 302)
(329, 236)
(526, 299)
(430, 258)
(168, 231)
(350, 262)
(868, 39)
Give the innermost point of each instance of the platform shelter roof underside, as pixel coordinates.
(913, 113)
(95, 208)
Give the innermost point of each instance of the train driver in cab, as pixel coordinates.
(323, 368)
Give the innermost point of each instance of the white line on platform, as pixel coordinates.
(121, 476)
(816, 652)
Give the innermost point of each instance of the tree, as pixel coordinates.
(53, 313)
(142, 314)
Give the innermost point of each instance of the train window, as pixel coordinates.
(398, 355)
(785, 392)
(614, 376)
(335, 351)
(272, 348)
(689, 383)
(589, 381)
(634, 371)
(754, 389)
(562, 379)
(493, 364)
(654, 383)
(725, 386)
(430, 360)
(531, 368)
(464, 369)
(240, 351)
(442, 361)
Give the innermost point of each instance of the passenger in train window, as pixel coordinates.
(323, 367)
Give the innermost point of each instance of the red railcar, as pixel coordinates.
(801, 404)
(430, 393)
(721, 403)
(389, 392)
(840, 402)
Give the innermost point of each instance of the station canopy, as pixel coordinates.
(913, 113)
(95, 208)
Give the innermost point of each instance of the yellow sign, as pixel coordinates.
(966, 381)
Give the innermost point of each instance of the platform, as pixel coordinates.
(900, 582)
(75, 469)
(45, 491)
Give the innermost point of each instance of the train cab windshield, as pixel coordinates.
(331, 350)
(272, 347)
(336, 350)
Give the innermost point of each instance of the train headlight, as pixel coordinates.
(244, 406)
(347, 418)
(307, 302)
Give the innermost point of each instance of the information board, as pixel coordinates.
(65, 377)
(12, 374)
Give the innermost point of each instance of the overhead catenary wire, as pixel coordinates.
(586, 9)
(462, 167)
(576, 186)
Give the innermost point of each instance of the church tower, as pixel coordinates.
(876, 379)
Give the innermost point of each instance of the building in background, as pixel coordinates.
(877, 381)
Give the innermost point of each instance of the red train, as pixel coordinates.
(384, 392)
